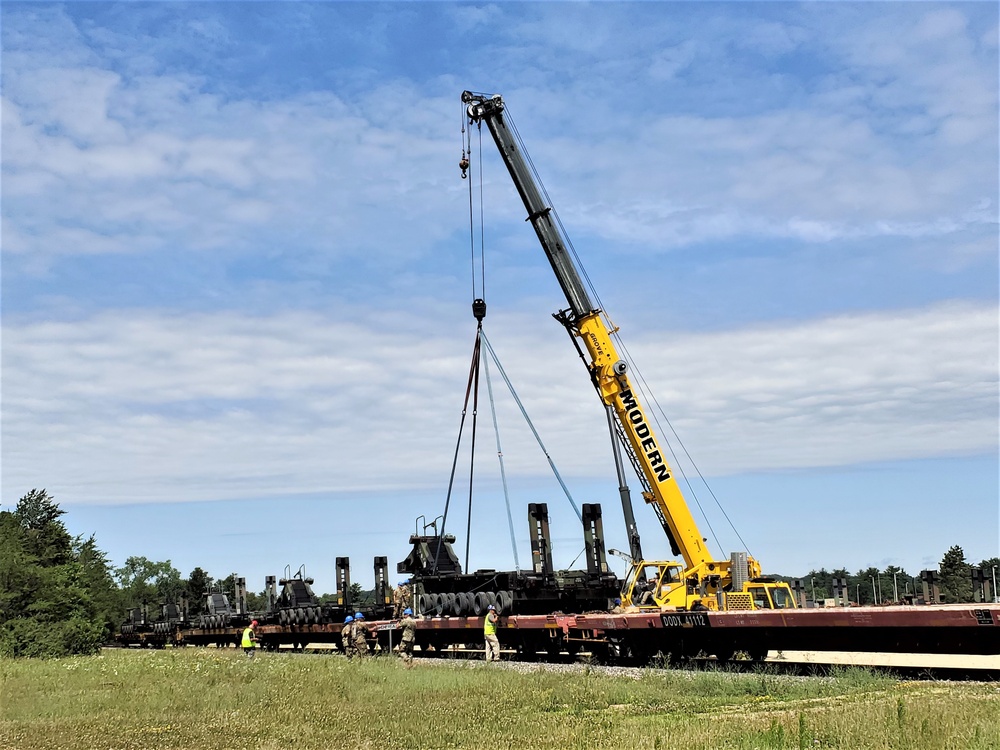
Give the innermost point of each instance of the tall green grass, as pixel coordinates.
(208, 699)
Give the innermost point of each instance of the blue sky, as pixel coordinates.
(236, 277)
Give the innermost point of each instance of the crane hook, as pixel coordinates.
(463, 164)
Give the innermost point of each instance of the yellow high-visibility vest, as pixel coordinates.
(248, 638)
(489, 627)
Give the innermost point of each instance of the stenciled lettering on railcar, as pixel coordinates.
(685, 620)
(983, 616)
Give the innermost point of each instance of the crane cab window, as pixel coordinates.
(782, 599)
(760, 598)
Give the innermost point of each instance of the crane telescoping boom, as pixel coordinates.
(701, 581)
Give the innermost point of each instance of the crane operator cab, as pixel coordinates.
(666, 585)
(771, 597)
(648, 582)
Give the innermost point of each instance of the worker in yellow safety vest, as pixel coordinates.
(249, 640)
(490, 634)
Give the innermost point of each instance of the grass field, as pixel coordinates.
(205, 699)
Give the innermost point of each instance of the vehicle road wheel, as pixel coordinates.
(504, 602)
(479, 603)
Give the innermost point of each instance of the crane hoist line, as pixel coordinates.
(698, 581)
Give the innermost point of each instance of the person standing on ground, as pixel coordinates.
(409, 627)
(347, 636)
(360, 635)
(490, 633)
(249, 641)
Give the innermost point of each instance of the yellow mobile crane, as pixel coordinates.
(699, 582)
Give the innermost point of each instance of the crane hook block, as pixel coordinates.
(479, 309)
(464, 166)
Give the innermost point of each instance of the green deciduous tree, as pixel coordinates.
(145, 581)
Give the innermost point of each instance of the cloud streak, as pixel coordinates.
(138, 406)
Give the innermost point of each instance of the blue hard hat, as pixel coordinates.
(359, 616)
(618, 601)
(348, 619)
(407, 611)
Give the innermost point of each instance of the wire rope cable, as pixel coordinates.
(538, 438)
(503, 472)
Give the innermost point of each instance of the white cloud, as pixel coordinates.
(137, 406)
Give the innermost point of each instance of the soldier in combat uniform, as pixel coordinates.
(400, 599)
(409, 627)
(347, 636)
(360, 636)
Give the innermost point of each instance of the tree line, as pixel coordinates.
(61, 595)
(894, 584)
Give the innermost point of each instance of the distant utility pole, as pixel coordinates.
(874, 594)
(995, 597)
(895, 591)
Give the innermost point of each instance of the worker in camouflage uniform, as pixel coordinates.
(409, 628)
(347, 636)
(400, 599)
(360, 636)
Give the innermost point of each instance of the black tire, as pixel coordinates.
(491, 598)
(479, 604)
(504, 602)
(454, 605)
(426, 604)
(465, 603)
